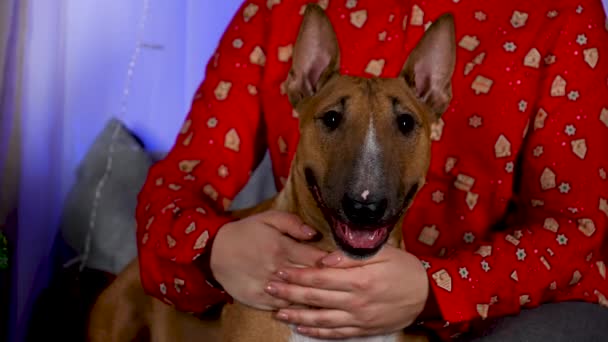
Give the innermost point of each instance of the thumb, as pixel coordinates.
(289, 224)
(340, 260)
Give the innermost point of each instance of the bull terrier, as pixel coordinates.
(363, 154)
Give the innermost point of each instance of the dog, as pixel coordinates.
(363, 154)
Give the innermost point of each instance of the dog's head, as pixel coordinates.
(364, 146)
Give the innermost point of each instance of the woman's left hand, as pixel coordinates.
(352, 298)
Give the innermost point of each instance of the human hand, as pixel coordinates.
(353, 298)
(247, 253)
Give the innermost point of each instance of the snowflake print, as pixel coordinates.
(602, 173)
(475, 121)
(509, 46)
(537, 203)
(573, 95)
(425, 264)
(222, 171)
(550, 59)
(485, 266)
(509, 167)
(464, 273)
(521, 254)
(579, 9)
(350, 4)
(212, 122)
(570, 130)
(538, 151)
(564, 188)
(581, 39)
(518, 234)
(573, 210)
(437, 196)
(468, 237)
(552, 14)
(479, 15)
(493, 300)
(562, 240)
(522, 105)
(237, 43)
(163, 288)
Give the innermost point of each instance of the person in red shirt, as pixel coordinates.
(514, 213)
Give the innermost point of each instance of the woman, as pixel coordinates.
(524, 142)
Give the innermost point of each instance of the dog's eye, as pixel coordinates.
(406, 123)
(332, 119)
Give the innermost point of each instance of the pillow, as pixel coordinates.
(259, 188)
(112, 243)
(103, 198)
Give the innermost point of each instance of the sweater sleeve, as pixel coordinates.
(552, 251)
(183, 201)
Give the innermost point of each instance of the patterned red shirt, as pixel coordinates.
(523, 146)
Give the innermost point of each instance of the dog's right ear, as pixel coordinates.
(316, 55)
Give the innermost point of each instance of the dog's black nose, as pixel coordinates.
(363, 212)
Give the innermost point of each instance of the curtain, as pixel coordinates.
(10, 52)
(64, 76)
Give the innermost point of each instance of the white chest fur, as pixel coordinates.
(295, 337)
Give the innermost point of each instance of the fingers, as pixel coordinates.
(339, 259)
(336, 279)
(315, 318)
(310, 296)
(303, 255)
(269, 303)
(276, 303)
(332, 334)
(288, 224)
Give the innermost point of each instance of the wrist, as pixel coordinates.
(208, 261)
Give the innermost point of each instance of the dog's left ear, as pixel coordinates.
(429, 68)
(316, 55)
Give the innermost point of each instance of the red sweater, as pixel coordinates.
(523, 146)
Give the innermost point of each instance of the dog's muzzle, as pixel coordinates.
(363, 233)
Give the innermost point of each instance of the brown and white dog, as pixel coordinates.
(364, 152)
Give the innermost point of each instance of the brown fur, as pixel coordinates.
(314, 87)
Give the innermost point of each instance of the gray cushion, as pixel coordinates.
(115, 167)
(260, 186)
(112, 244)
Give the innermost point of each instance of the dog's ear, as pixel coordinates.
(429, 68)
(316, 55)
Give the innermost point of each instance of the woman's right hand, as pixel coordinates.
(246, 254)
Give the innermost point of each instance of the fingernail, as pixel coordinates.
(282, 316)
(271, 289)
(282, 274)
(308, 230)
(302, 330)
(331, 260)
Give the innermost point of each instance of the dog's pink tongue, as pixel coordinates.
(361, 238)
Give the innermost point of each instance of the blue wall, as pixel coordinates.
(179, 37)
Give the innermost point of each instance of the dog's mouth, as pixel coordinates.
(357, 241)
(360, 241)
